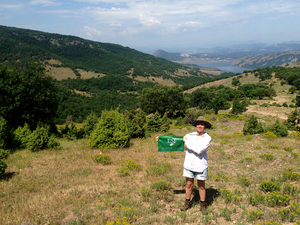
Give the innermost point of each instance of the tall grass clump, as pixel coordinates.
(128, 165)
(103, 159)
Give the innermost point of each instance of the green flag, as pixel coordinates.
(170, 143)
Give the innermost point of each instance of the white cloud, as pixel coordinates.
(148, 20)
(91, 32)
(42, 2)
(10, 6)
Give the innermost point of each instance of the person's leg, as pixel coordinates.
(188, 194)
(189, 187)
(202, 193)
(201, 186)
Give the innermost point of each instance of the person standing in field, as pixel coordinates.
(195, 162)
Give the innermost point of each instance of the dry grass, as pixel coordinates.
(47, 186)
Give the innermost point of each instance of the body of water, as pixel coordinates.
(224, 66)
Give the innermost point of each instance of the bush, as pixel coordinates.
(137, 124)
(279, 129)
(277, 199)
(270, 135)
(267, 156)
(111, 131)
(269, 186)
(3, 155)
(103, 159)
(90, 123)
(161, 185)
(71, 132)
(40, 139)
(21, 135)
(252, 126)
(158, 124)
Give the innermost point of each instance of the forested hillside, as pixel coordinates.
(22, 45)
(125, 72)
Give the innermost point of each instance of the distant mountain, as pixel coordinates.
(168, 56)
(229, 53)
(268, 60)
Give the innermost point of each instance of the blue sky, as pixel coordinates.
(171, 25)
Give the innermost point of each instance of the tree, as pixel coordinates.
(252, 126)
(137, 123)
(162, 99)
(238, 106)
(219, 103)
(292, 89)
(27, 97)
(278, 128)
(293, 120)
(235, 82)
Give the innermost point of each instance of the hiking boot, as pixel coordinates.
(203, 207)
(186, 206)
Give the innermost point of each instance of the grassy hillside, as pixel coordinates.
(52, 186)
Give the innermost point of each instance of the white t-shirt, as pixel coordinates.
(195, 155)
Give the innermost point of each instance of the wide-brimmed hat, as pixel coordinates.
(202, 120)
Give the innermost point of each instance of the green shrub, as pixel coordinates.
(288, 149)
(290, 175)
(71, 132)
(244, 181)
(145, 192)
(131, 165)
(284, 214)
(278, 129)
(270, 135)
(254, 215)
(273, 146)
(269, 186)
(289, 189)
(127, 165)
(3, 155)
(227, 195)
(161, 185)
(267, 156)
(277, 199)
(103, 159)
(111, 131)
(256, 199)
(137, 123)
(40, 139)
(179, 122)
(252, 126)
(21, 135)
(157, 123)
(90, 123)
